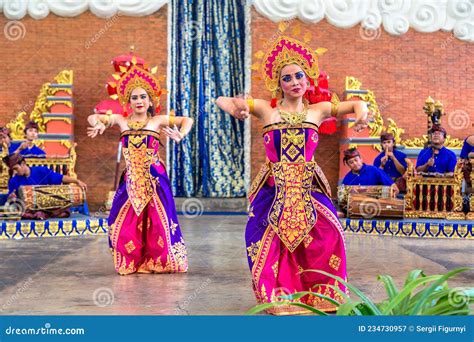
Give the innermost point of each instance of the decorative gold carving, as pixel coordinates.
(65, 77)
(41, 106)
(377, 127)
(17, 126)
(432, 185)
(423, 141)
(53, 90)
(58, 118)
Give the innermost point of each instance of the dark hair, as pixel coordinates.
(30, 125)
(350, 153)
(151, 109)
(12, 160)
(438, 128)
(387, 137)
(5, 131)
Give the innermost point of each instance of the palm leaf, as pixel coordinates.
(414, 274)
(429, 290)
(406, 291)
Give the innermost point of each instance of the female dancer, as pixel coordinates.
(144, 233)
(292, 224)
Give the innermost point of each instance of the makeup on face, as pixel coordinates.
(139, 100)
(293, 80)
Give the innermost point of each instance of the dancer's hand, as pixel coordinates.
(241, 109)
(173, 133)
(98, 128)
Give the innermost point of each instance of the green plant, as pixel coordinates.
(420, 295)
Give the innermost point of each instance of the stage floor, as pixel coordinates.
(75, 275)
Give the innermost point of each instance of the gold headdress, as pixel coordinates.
(134, 76)
(285, 51)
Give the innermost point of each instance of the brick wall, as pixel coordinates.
(401, 70)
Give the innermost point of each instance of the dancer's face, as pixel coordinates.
(139, 101)
(293, 81)
(355, 164)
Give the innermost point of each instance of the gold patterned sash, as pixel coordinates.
(292, 214)
(139, 182)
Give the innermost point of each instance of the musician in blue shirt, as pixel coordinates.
(22, 174)
(467, 153)
(28, 149)
(436, 158)
(361, 173)
(468, 148)
(392, 161)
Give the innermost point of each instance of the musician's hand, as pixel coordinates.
(82, 184)
(395, 189)
(390, 154)
(384, 160)
(430, 162)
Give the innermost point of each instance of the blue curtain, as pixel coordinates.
(207, 53)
